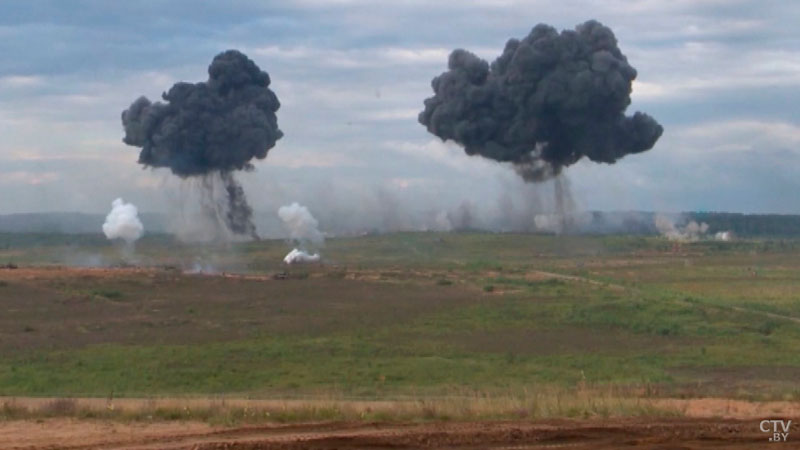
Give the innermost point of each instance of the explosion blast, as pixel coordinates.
(546, 102)
(209, 130)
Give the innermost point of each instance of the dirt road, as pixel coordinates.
(561, 434)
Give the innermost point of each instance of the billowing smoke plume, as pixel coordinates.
(123, 222)
(210, 129)
(302, 226)
(692, 231)
(549, 100)
(297, 256)
(303, 231)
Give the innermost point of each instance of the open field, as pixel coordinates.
(420, 326)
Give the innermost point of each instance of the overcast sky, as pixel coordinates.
(722, 77)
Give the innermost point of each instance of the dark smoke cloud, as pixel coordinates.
(240, 215)
(547, 101)
(215, 126)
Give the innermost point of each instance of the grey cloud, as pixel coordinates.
(111, 52)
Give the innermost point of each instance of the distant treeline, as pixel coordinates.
(593, 222)
(68, 223)
(21, 240)
(753, 225)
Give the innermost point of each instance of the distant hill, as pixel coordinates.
(69, 222)
(592, 222)
(745, 225)
(754, 225)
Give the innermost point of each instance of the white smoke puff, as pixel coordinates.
(298, 256)
(301, 224)
(548, 222)
(724, 236)
(442, 222)
(666, 227)
(694, 229)
(691, 232)
(123, 222)
(200, 268)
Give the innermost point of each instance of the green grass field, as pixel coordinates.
(403, 315)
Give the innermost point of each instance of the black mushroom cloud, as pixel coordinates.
(210, 129)
(547, 101)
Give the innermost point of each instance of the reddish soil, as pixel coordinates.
(606, 434)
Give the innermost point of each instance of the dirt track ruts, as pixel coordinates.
(590, 434)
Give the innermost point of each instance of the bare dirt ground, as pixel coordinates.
(595, 434)
(709, 423)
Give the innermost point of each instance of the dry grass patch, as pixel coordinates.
(524, 404)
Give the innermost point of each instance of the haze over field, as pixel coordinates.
(721, 77)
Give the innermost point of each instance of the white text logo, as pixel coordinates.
(779, 429)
